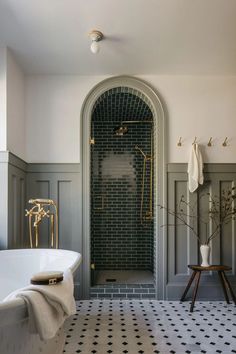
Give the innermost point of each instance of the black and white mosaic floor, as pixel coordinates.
(133, 327)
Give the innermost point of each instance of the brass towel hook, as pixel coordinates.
(210, 142)
(195, 140)
(225, 142)
(179, 142)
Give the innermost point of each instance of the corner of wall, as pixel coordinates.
(15, 106)
(3, 98)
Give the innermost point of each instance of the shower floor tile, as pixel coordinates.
(125, 276)
(133, 327)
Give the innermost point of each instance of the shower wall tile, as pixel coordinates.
(119, 239)
(122, 103)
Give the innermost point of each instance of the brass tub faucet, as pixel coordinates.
(38, 212)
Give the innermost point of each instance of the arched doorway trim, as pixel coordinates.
(160, 193)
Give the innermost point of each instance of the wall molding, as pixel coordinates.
(53, 168)
(32, 167)
(208, 167)
(10, 158)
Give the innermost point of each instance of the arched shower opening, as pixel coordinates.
(123, 181)
(122, 198)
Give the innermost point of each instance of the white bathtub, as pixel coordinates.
(16, 269)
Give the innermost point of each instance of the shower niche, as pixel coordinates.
(122, 194)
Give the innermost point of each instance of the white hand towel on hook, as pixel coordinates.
(195, 168)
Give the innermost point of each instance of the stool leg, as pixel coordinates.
(188, 285)
(229, 287)
(198, 276)
(223, 286)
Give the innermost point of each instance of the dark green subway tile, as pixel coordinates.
(123, 242)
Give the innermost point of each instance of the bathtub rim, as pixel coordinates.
(15, 310)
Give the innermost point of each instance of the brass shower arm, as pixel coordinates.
(140, 150)
(136, 121)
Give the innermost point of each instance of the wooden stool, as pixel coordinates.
(197, 270)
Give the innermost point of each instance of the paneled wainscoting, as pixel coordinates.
(182, 246)
(20, 182)
(12, 200)
(62, 182)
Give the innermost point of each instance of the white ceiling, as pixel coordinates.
(142, 36)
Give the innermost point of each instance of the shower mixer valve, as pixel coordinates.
(38, 213)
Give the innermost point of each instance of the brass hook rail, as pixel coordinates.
(209, 144)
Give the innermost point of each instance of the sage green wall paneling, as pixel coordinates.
(65, 208)
(62, 183)
(3, 204)
(12, 200)
(64, 188)
(181, 238)
(16, 207)
(21, 181)
(183, 248)
(226, 241)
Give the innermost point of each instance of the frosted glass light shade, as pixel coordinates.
(94, 47)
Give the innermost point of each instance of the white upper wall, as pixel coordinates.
(199, 106)
(3, 99)
(12, 105)
(195, 106)
(53, 105)
(15, 108)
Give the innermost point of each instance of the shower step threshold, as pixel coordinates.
(124, 277)
(123, 291)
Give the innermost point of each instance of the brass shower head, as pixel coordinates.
(121, 130)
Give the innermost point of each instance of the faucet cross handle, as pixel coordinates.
(28, 212)
(47, 213)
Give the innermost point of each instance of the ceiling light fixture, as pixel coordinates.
(95, 36)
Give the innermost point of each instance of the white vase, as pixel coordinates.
(205, 252)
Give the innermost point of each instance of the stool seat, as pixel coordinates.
(211, 267)
(197, 270)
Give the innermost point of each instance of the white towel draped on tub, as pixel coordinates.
(48, 305)
(195, 168)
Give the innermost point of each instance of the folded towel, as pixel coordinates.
(48, 305)
(195, 168)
